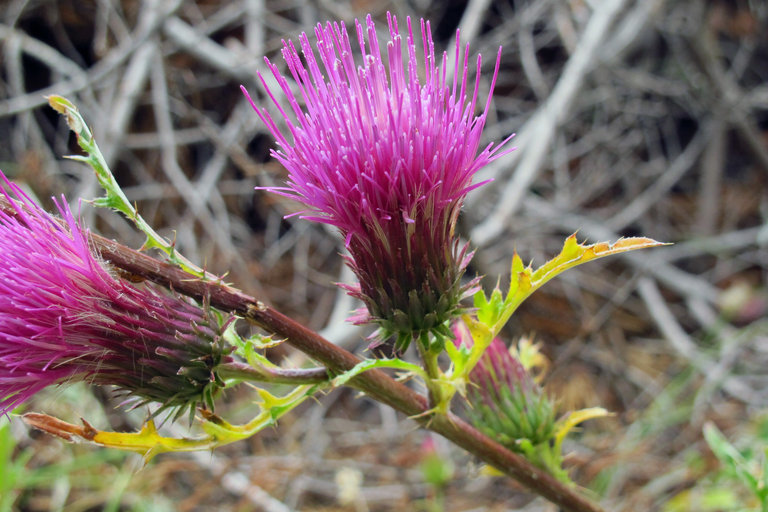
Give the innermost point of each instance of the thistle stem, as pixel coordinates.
(431, 366)
(275, 375)
(375, 383)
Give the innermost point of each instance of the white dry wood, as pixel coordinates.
(537, 136)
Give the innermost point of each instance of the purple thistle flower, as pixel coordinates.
(388, 160)
(506, 403)
(65, 317)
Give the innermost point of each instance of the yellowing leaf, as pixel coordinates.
(574, 253)
(530, 356)
(566, 424)
(148, 442)
(486, 470)
(524, 280)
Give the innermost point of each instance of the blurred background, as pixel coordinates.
(644, 117)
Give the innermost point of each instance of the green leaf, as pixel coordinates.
(369, 364)
(437, 470)
(489, 311)
(730, 457)
(709, 500)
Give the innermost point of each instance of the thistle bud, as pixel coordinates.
(387, 160)
(505, 402)
(65, 316)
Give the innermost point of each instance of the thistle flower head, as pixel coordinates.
(506, 403)
(385, 151)
(64, 316)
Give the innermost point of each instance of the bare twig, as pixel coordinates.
(153, 13)
(676, 279)
(668, 325)
(537, 136)
(712, 170)
(730, 94)
(649, 197)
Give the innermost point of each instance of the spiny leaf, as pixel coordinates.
(489, 311)
(148, 442)
(574, 253)
(568, 422)
(368, 364)
(530, 356)
(272, 408)
(524, 280)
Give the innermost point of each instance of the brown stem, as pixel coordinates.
(374, 383)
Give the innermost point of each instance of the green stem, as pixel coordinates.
(431, 366)
(116, 198)
(246, 372)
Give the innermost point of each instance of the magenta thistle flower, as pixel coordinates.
(64, 316)
(388, 160)
(506, 404)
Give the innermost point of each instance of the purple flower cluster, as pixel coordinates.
(64, 316)
(388, 160)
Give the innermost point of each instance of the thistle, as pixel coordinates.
(507, 404)
(65, 316)
(387, 160)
